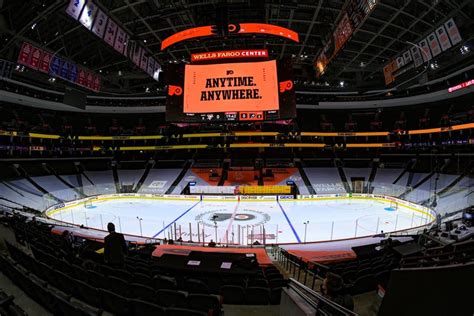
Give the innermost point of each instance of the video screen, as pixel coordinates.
(243, 91)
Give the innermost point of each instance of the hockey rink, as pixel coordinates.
(244, 222)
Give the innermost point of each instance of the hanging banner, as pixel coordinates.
(72, 76)
(137, 55)
(74, 8)
(81, 76)
(150, 66)
(36, 55)
(156, 71)
(45, 61)
(111, 32)
(416, 53)
(120, 40)
(144, 61)
(400, 62)
(407, 57)
(88, 14)
(434, 45)
(100, 22)
(443, 38)
(425, 50)
(96, 85)
(453, 31)
(64, 72)
(25, 53)
(55, 66)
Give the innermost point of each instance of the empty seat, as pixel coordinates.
(274, 283)
(275, 296)
(164, 283)
(142, 292)
(232, 294)
(140, 308)
(97, 280)
(87, 293)
(196, 286)
(257, 296)
(205, 303)
(363, 284)
(115, 303)
(171, 298)
(141, 278)
(257, 282)
(119, 286)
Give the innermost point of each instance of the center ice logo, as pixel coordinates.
(245, 217)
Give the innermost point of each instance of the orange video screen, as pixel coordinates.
(231, 87)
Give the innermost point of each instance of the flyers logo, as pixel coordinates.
(286, 85)
(234, 28)
(175, 90)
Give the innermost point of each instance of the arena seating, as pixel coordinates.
(85, 285)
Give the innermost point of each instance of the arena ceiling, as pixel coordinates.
(383, 35)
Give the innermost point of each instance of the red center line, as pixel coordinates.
(231, 222)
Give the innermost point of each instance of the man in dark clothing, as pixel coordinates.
(115, 247)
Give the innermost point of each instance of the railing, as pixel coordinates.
(321, 304)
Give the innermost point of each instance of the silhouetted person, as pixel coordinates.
(115, 247)
(212, 243)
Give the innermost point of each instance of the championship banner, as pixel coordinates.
(88, 15)
(144, 61)
(156, 71)
(425, 50)
(98, 22)
(72, 72)
(151, 66)
(45, 62)
(120, 40)
(110, 32)
(25, 53)
(443, 38)
(98, 28)
(400, 62)
(137, 55)
(342, 33)
(55, 66)
(453, 31)
(416, 53)
(242, 53)
(96, 85)
(35, 58)
(74, 8)
(64, 70)
(81, 76)
(434, 45)
(407, 57)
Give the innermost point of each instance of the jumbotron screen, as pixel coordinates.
(241, 91)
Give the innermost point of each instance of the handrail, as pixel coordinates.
(323, 305)
(233, 134)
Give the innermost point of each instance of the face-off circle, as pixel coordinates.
(245, 217)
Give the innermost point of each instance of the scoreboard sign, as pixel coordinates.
(239, 87)
(240, 91)
(229, 54)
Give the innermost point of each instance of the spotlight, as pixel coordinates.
(341, 84)
(464, 49)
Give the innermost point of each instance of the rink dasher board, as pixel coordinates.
(57, 208)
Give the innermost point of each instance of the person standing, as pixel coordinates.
(115, 247)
